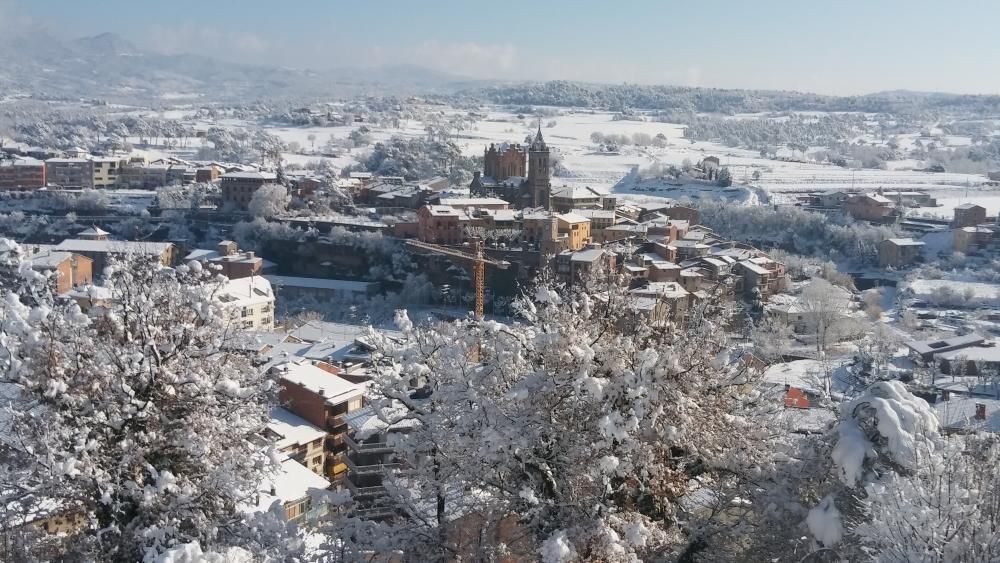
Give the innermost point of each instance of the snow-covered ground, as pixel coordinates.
(583, 164)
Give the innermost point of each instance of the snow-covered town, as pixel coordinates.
(449, 303)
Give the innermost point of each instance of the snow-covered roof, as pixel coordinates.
(442, 211)
(807, 375)
(251, 175)
(905, 242)
(755, 268)
(320, 283)
(335, 388)
(967, 206)
(48, 259)
(248, 291)
(94, 231)
(959, 413)
(292, 482)
(941, 345)
(665, 290)
(113, 246)
(989, 354)
(572, 218)
(589, 255)
(292, 429)
(471, 201)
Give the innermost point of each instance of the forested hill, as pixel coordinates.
(622, 96)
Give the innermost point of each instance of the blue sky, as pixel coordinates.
(843, 47)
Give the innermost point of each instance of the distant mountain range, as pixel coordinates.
(108, 67)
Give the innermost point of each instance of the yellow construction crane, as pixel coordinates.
(477, 258)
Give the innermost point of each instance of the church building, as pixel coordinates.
(504, 169)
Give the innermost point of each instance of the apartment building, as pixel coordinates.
(106, 170)
(72, 173)
(314, 391)
(143, 177)
(22, 174)
(969, 215)
(439, 224)
(899, 252)
(238, 187)
(250, 302)
(298, 438)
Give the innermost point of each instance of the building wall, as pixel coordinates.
(106, 172)
(891, 255)
(971, 217)
(22, 176)
(438, 229)
(867, 210)
(501, 165)
(253, 317)
(578, 234)
(70, 174)
(239, 191)
(539, 181)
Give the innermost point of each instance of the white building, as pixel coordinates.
(250, 301)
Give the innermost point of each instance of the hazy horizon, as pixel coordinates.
(855, 48)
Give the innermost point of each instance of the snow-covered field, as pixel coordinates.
(582, 164)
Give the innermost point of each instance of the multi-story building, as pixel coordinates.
(439, 224)
(106, 170)
(970, 239)
(238, 187)
(315, 392)
(144, 177)
(298, 438)
(869, 207)
(567, 198)
(575, 229)
(233, 263)
(208, 174)
(250, 302)
(22, 174)
(600, 219)
(899, 252)
(72, 270)
(72, 173)
(662, 301)
(969, 215)
(582, 265)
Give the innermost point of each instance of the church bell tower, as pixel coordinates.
(539, 182)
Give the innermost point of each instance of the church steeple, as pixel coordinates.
(539, 143)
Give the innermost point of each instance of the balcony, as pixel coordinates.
(369, 448)
(374, 469)
(375, 512)
(364, 492)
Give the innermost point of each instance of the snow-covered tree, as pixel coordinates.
(269, 200)
(133, 418)
(579, 430)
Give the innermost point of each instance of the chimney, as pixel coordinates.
(980, 411)
(250, 255)
(945, 395)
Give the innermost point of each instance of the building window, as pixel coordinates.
(317, 460)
